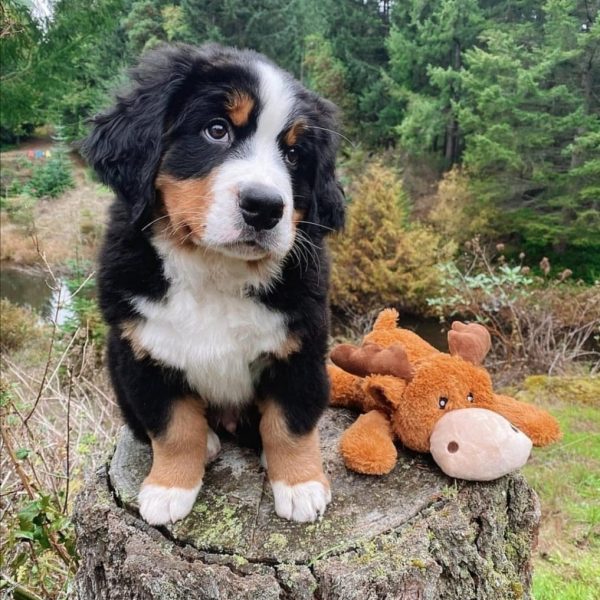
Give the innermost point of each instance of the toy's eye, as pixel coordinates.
(292, 155)
(443, 401)
(470, 397)
(218, 131)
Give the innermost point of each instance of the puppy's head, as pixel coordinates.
(227, 149)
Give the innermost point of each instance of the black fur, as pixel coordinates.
(156, 124)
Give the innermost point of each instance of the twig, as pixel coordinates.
(68, 448)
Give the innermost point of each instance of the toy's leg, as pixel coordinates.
(346, 389)
(367, 445)
(540, 426)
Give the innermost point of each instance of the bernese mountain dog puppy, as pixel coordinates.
(213, 276)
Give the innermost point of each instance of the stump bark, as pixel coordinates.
(413, 534)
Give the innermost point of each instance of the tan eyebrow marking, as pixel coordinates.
(294, 132)
(239, 105)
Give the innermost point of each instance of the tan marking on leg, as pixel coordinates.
(179, 454)
(291, 345)
(129, 333)
(294, 132)
(290, 458)
(186, 203)
(239, 106)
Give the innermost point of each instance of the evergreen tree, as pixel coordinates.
(426, 46)
(531, 125)
(382, 259)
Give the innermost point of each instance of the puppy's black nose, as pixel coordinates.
(261, 206)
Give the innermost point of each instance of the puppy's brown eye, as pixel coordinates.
(292, 155)
(218, 131)
(443, 401)
(470, 397)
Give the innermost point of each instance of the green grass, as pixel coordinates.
(560, 578)
(567, 478)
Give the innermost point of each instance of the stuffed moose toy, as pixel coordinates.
(431, 402)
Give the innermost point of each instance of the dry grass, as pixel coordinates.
(59, 419)
(67, 227)
(57, 410)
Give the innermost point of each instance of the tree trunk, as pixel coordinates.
(413, 534)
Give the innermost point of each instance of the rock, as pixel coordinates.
(411, 534)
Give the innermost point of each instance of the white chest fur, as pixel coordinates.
(208, 328)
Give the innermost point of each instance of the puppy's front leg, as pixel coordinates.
(179, 455)
(300, 487)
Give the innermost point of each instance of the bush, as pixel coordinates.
(51, 178)
(455, 214)
(18, 325)
(381, 258)
(20, 209)
(55, 175)
(538, 324)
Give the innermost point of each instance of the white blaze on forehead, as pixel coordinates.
(276, 104)
(258, 160)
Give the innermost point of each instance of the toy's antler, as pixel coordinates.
(471, 342)
(371, 359)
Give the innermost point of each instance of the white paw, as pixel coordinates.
(301, 502)
(213, 445)
(160, 505)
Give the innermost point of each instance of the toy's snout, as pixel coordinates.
(478, 444)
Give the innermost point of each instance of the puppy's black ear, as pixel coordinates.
(126, 142)
(329, 196)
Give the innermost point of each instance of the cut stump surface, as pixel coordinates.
(411, 534)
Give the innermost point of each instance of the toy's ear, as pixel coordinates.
(471, 342)
(373, 359)
(385, 391)
(329, 199)
(125, 144)
(540, 426)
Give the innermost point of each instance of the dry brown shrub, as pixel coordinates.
(18, 325)
(538, 324)
(65, 227)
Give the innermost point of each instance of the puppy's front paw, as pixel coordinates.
(160, 505)
(302, 502)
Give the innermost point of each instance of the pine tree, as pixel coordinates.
(532, 130)
(382, 259)
(426, 47)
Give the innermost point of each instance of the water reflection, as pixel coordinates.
(33, 289)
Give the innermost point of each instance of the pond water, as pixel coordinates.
(33, 289)
(429, 328)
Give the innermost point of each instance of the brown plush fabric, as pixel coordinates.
(429, 384)
(471, 342)
(368, 446)
(346, 389)
(541, 427)
(372, 358)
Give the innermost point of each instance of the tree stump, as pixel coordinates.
(413, 534)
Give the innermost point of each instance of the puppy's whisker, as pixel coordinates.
(316, 225)
(353, 144)
(170, 214)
